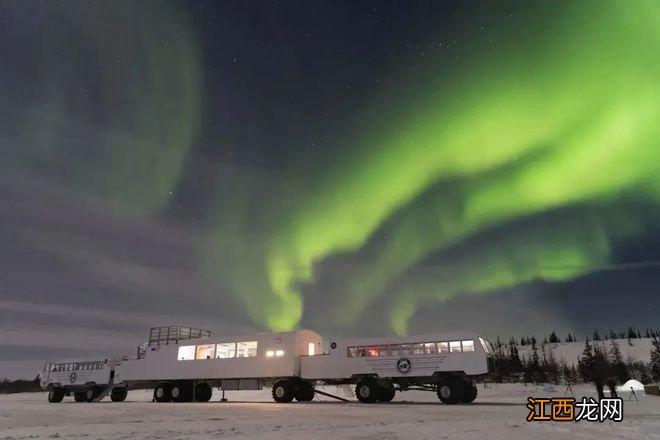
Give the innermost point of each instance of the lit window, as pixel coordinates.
(429, 348)
(351, 352)
(186, 353)
(468, 345)
(246, 349)
(418, 349)
(206, 351)
(406, 349)
(279, 353)
(270, 353)
(455, 346)
(384, 350)
(395, 350)
(372, 351)
(311, 349)
(225, 350)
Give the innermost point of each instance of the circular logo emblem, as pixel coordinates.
(333, 345)
(73, 377)
(404, 366)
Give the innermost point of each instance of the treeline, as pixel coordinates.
(630, 333)
(19, 386)
(599, 358)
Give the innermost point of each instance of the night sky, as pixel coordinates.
(358, 168)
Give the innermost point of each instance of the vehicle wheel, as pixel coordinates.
(182, 392)
(450, 390)
(304, 392)
(387, 393)
(367, 390)
(56, 395)
(80, 396)
(203, 392)
(283, 391)
(163, 393)
(118, 394)
(92, 394)
(469, 393)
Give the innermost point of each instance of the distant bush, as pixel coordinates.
(19, 386)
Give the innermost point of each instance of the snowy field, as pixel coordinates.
(498, 413)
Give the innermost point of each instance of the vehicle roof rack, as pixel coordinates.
(172, 334)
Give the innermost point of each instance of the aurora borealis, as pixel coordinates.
(341, 167)
(521, 139)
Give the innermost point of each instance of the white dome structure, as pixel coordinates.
(632, 383)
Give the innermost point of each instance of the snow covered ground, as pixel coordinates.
(498, 413)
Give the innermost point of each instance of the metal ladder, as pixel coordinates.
(108, 389)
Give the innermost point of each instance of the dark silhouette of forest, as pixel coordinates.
(601, 359)
(19, 386)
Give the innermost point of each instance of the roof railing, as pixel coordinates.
(172, 334)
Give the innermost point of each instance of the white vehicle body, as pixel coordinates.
(184, 364)
(261, 356)
(76, 374)
(402, 357)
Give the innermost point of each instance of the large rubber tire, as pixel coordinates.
(163, 393)
(450, 390)
(79, 396)
(56, 395)
(387, 393)
(92, 393)
(182, 392)
(118, 394)
(469, 393)
(203, 392)
(304, 392)
(283, 391)
(367, 390)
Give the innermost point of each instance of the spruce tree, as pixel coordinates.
(527, 371)
(516, 365)
(551, 368)
(596, 335)
(586, 362)
(620, 368)
(553, 338)
(655, 359)
(535, 364)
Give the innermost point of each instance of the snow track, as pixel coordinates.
(499, 413)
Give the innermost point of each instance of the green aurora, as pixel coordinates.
(581, 98)
(505, 124)
(121, 136)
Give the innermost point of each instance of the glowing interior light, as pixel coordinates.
(270, 353)
(279, 353)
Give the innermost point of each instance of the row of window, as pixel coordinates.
(76, 366)
(410, 349)
(226, 350)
